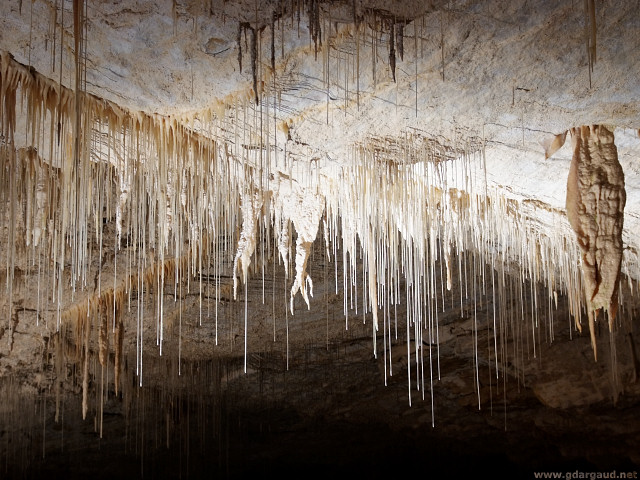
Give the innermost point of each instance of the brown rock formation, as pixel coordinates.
(595, 207)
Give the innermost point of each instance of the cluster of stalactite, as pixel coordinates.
(396, 209)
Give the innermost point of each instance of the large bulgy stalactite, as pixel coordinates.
(596, 199)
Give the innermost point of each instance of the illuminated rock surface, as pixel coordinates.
(391, 186)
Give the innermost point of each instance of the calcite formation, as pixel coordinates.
(595, 207)
(155, 157)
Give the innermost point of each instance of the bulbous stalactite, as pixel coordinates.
(596, 199)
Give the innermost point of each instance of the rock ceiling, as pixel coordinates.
(296, 215)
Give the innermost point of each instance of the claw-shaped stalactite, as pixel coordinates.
(251, 205)
(309, 207)
(302, 279)
(327, 238)
(284, 242)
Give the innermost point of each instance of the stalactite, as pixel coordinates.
(78, 41)
(596, 199)
(373, 280)
(85, 323)
(302, 282)
(392, 51)
(273, 43)
(174, 15)
(400, 40)
(251, 206)
(254, 63)
(396, 207)
(118, 345)
(552, 145)
(103, 338)
(442, 43)
(314, 24)
(239, 45)
(590, 34)
(284, 241)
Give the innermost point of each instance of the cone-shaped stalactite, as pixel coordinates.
(239, 45)
(253, 50)
(400, 40)
(392, 50)
(315, 24)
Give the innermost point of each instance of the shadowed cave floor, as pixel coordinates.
(330, 411)
(333, 417)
